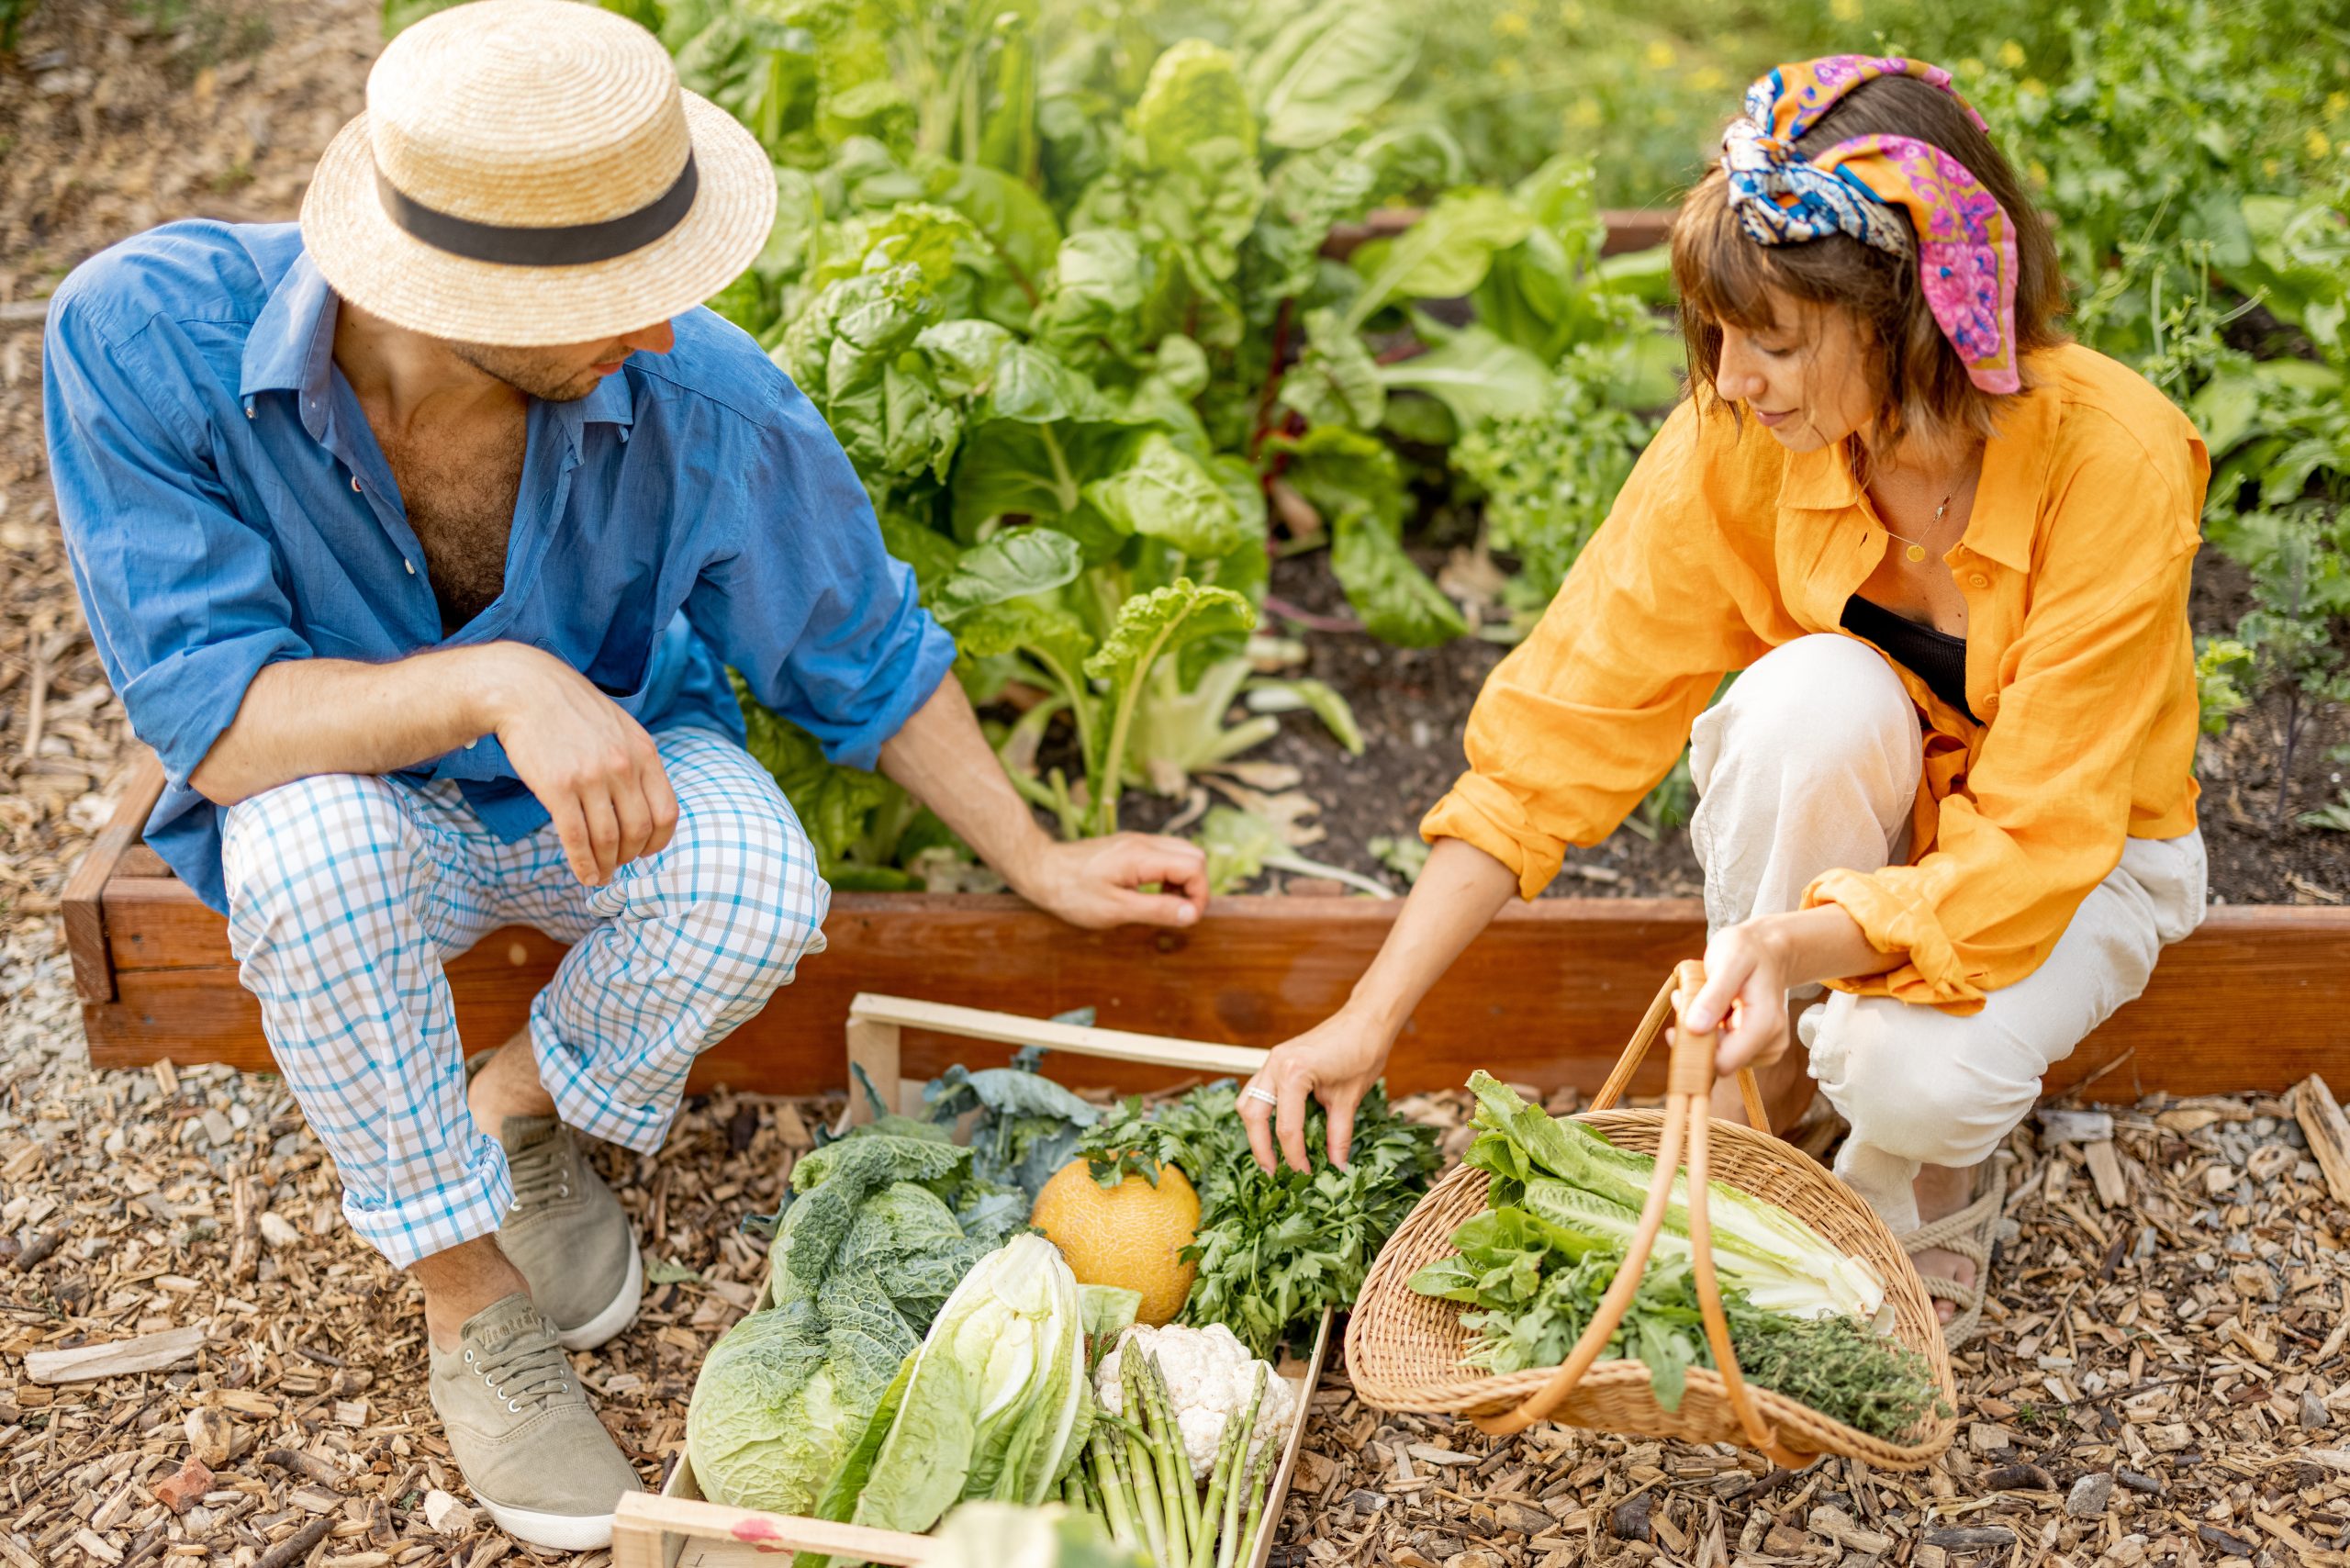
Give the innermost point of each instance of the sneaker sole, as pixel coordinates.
(612, 1320)
(557, 1532)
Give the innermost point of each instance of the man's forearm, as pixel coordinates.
(942, 760)
(301, 717)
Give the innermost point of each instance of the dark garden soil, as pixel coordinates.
(1414, 703)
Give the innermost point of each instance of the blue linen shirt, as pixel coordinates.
(226, 506)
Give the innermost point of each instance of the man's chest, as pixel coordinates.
(459, 488)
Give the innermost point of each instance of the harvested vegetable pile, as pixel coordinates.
(1564, 1205)
(921, 1350)
(1273, 1251)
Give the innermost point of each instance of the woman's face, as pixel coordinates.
(1806, 378)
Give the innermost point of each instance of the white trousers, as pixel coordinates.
(1810, 764)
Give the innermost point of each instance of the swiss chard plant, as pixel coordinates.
(1067, 295)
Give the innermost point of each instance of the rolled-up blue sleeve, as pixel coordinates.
(821, 620)
(183, 594)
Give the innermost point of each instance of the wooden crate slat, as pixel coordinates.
(82, 903)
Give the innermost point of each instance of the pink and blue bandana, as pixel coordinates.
(1966, 244)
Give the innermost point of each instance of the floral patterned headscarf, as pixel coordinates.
(1966, 244)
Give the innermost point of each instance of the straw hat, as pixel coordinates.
(529, 171)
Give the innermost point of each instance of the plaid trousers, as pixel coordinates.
(347, 894)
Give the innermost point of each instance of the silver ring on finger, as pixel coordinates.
(1266, 1096)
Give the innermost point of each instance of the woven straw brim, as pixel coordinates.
(382, 268)
(1405, 1351)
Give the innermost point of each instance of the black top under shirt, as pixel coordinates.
(1935, 658)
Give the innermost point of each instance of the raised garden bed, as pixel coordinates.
(1545, 997)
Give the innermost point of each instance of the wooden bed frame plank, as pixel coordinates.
(1547, 996)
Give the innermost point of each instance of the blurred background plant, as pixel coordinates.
(1113, 300)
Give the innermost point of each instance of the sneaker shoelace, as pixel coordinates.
(526, 1371)
(541, 1171)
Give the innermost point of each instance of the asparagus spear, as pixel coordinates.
(1140, 1388)
(1187, 1488)
(1116, 1506)
(1231, 1455)
(1142, 1475)
(1260, 1475)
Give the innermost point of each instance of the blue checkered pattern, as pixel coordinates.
(348, 894)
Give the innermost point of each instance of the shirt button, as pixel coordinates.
(1979, 580)
(354, 484)
(410, 564)
(248, 410)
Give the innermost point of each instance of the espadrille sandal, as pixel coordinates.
(1969, 1233)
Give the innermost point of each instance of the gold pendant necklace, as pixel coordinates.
(1916, 552)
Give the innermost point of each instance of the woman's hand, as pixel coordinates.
(1747, 977)
(1336, 1061)
(1750, 967)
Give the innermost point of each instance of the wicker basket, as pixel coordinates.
(1405, 1349)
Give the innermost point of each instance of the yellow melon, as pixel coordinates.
(1130, 1235)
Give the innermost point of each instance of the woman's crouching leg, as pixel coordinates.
(1923, 1087)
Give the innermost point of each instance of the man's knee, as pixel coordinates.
(1906, 1080)
(1817, 704)
(295, 852)
(743, 878)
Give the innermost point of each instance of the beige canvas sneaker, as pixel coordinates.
(520, 1430)
(567, 1235)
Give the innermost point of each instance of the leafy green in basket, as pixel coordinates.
(1535, 1265)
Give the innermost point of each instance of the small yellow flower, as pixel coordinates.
(2336, 104)
(1585, 115)
(2012, 55)
(2034, 85)
(2039, 172)
(1507, 68)
(1659, 56)
(1510, 24)
(1571, 13)
(1970, 66)
(1844, 10)
(2271, 167)
(2316, 144)
(1709, 80)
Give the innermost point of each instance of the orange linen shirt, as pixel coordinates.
(1723, 545)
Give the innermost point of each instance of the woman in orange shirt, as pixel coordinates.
(1947, 550)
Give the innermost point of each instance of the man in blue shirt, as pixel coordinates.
(418, 543)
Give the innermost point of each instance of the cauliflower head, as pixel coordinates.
(1210, 1375)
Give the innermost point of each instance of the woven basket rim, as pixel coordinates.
(1472, 1392)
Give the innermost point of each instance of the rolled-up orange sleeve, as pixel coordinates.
(1584, 717)
(2085, 701)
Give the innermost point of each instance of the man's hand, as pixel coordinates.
(943, 761)
(1097, 883)
(593, 767)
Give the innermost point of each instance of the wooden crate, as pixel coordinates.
(1546, 996)
(677, 1529)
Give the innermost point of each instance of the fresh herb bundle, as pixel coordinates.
(1273, 1251)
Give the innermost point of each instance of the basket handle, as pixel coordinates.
(1670, 1000)
(1689, 1086)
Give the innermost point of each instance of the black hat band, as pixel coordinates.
(563, 245)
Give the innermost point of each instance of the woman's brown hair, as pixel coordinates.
(1724, 275)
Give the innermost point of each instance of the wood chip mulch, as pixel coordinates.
(2162, 1379)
